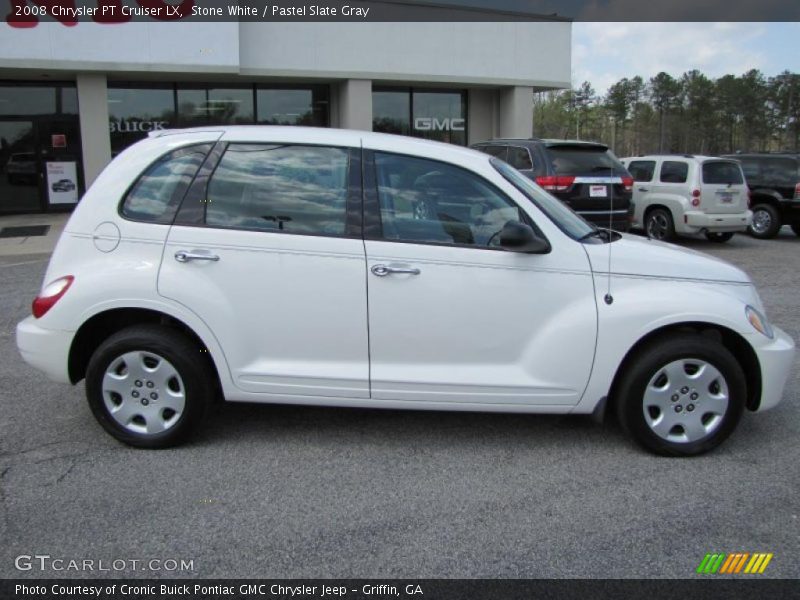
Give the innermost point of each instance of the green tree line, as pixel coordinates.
(692, 113)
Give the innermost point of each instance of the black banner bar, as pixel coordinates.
(711, 588)
(26, 13)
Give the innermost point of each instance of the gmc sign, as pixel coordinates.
(434, 124)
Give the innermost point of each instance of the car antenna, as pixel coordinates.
(609, 299)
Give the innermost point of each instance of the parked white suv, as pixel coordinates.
(344, 268)
(685, 194)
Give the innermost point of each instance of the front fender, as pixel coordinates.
(643, 305)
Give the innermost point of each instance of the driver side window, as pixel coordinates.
(428, 201)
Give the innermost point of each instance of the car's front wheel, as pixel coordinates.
(149, 386)
(682, 395)
(659, 225)
(718, 237)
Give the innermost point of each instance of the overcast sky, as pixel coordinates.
(603, 53)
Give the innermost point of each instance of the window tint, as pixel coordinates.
(155, 196)
(583, 160)
(500, 152)
(296, 189)
(750, 168)
(674, 172)
(429, 201)
(779, 171)
(722, 172)
(519, 158)
(642, 170)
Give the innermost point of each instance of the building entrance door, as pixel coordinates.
(21, 174)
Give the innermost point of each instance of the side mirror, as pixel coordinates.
(518, 237)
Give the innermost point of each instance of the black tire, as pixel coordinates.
(658, 225)
(769, 215)
(796, 228)
(193, 368)
(629, 393)
(718, 238)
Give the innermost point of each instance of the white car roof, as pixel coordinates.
(330, 136)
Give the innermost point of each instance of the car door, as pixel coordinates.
(267, 251)
(455, 320)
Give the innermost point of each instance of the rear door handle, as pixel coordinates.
(384, 270)
(644, 189)
(183, 256)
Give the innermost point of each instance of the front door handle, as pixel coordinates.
(644, 190)
(384, 270)
(183, 256)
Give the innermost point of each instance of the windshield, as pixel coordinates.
(566, 220)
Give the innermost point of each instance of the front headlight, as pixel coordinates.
(758, 321)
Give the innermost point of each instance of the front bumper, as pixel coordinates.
(776, 358)
(696, 222)
(45, 349)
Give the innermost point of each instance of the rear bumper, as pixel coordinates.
(45, 349)
(776, 358)
(695, 222)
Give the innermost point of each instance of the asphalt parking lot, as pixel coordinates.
(276, 491)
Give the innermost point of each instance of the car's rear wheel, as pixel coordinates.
(766, 222)
(149, 386)
(682, 396)
(659, 225)
(718, 237)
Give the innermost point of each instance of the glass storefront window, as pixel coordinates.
(391, 112)
(440, 116)
(285, 106)
(215, 106)
(28, 100)
(133, 112)
(433, 115)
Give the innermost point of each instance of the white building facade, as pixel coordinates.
(72, 97)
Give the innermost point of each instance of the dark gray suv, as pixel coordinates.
(586, 176)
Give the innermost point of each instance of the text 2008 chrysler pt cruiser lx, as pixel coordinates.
(343, 268)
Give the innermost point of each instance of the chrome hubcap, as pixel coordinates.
(143, 392)
(685, 401)
(761, 221)
(657, 226)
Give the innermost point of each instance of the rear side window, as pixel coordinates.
(583, 160)
(519, 158)
(492, 150)
(779, 171)
(294, 189)
(751, 168)
(722, 172)
(673, 171)
(155, 196)
(642, 170)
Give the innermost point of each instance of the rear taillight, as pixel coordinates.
(555, 183)
(797, 191)
(695, 197)
(50, 295)
(628, 183)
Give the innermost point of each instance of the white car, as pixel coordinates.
(686, 194)
(344, 268)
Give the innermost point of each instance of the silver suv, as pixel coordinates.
(686, 194)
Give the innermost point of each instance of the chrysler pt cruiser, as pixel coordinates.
(344, 268)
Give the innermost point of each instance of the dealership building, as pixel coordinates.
(72, 97)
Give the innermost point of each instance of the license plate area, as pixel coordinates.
(725, 197)
(598, 191)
